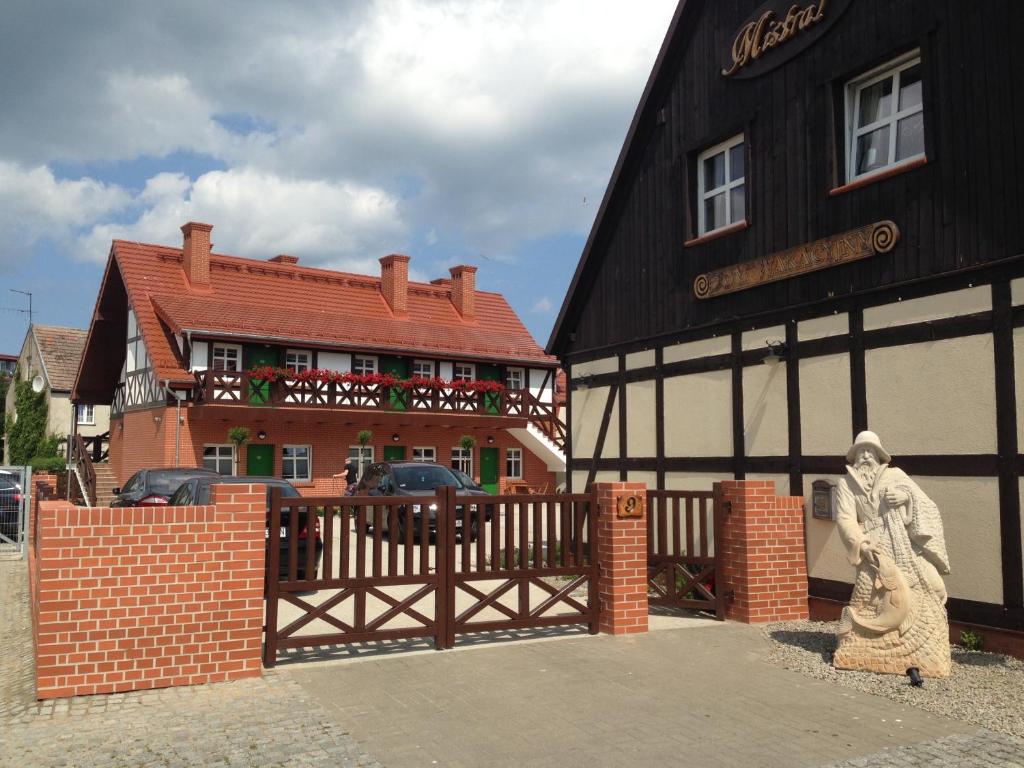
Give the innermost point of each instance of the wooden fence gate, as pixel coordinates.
(395, 568)
(683, 567)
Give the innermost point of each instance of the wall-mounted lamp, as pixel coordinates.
(261, 435)
(395, 437)
(777, 351)
(157, 418)
(490, 439)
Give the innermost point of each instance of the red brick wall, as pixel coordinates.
(762, 548)
(145, 443)
(622, 560)
(150, 597)
(44, 488)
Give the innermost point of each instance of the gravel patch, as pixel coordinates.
(984, 688)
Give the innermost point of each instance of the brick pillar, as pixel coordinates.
(764, 560)
(622, 560)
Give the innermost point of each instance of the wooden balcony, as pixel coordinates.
(241, 389)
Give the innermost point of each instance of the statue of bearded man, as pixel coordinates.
(896, 618)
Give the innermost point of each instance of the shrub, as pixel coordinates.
(972, 641)
(54, 464)
(29, 427)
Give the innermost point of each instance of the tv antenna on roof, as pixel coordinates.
(25, 311)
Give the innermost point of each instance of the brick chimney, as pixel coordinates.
(196, 250)
(394, 282)
(284, 258)
(464, 290)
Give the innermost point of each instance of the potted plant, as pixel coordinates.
(468, 442)
(239, 436)
(364, 437)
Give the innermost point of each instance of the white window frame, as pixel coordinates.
(424, 453)
(362, 455)
(216, 347)
(286, 460)
(219, 457)
(467, 373)
(85, 414)
(364, 364)
(509, 375)
(513, 457)
(424, 368)
(462, 459)
(298, 360)
(890, 70)
(726, 187)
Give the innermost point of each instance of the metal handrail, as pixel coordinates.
(82, 461)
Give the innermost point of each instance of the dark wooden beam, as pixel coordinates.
(738, 446)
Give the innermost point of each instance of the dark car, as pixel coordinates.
(415, 478)
(474, 488)
(153, 487)
(10, 505)
(198, 490)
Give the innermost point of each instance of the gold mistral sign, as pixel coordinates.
(854, 245)
(778, 31)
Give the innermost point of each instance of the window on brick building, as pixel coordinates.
(424, 368)
(424, 454)
(463, 371)
(462, 459)
(219, 458)
(363, 364)
(296, 461)
(361, 456)
(514, 463)
(298, 360)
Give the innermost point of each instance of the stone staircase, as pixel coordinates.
(105, 483)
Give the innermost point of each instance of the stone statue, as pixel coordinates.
(896, 618)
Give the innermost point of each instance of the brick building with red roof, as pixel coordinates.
(185, 344)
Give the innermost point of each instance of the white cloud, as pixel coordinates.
(257, 214)
(542, 305)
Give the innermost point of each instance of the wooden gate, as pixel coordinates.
(431, 567)
(683, 567)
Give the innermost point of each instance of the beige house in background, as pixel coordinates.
(54, 353)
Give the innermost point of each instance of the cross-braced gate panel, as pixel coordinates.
(683, 567)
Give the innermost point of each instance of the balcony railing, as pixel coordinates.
(240, 388)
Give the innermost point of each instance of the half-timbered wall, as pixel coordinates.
(137, 387)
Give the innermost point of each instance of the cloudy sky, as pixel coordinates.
(456, 131)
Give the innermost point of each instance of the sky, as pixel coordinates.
(476, 132)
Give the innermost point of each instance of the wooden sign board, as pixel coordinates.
(630, 506)
(857, 244)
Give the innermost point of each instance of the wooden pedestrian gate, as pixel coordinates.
(683, 563)
(397, 568)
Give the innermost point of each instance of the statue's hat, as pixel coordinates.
(867, 438)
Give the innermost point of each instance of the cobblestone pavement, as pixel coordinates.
(265, 722)
(984, 749)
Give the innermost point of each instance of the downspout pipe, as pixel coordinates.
(177, 421)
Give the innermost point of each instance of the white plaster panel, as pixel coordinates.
(595, 367)
(641, 418)
(1018, 373)
(719, 345)
(970, 517)
(335, 361)
(579, 482)
(588, 406)
(933, 398)
(133, 325)
(693, 481)
(445, 369)
(698, 414)
(650, 479)
(826, 556)
(536, 380)
(952, 304)
(826, 421)
(781, 482)
(200, 356)
(643, 359)
(1017, 291)
(823, 327)
(765, 427)
(757, 339)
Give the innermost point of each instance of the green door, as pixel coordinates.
(492, 400)
(256, 356)
(399, 368)
(489, 469)
(394, 453)
(260, 460)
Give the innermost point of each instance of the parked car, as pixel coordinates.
(198, 490)
(474, 488)
(10, 505)
(153, 487)
(415, 478)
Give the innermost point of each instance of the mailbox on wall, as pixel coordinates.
(823, 500)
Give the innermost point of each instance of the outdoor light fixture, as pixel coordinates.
(490, 439)
(395, 438)
(261, 435)
(915, 677)
(157, 418)
(777, 351)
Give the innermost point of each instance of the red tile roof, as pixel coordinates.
(61, 352)
(316, 307)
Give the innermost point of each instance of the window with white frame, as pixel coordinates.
(361, 456)
(424, 368)
(514, 463)
(463, 371)
(514, 378)
(227, 357)
(462, 459)
(296, 462)
(721, 185)
(219, 458)
(364, 364)
(884, 117)
(424, 454)
(85, 414)
(298, 360)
